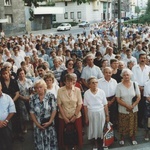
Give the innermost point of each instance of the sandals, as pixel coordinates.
(121, 142)
(134, 142)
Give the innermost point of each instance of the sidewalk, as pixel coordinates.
(142, 145)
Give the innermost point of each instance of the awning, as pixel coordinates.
(3, 20)
(48, 10)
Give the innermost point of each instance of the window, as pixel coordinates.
(72, 15)
(7, 2)
(66, 15)
(79, 14)
(53, 17)
(10, 18)
(66, 3)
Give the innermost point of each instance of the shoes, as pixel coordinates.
(25, 131)
(134, 142)
(121, 142)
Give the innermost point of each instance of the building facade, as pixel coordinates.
(13, 12)
(96, 10)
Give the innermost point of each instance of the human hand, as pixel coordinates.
(46, 124)
(129, 108)
(40, 127)
(67, 120)
(73, 119)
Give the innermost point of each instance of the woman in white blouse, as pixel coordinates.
(127, 109)
(96, 110)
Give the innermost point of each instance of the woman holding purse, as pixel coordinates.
(69, 103)
(43, 111)
(128, 108)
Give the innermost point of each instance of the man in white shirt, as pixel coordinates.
(109, 85)
(141, 76)
(18, 58)
(90, 70)
(109, 54)
(129, 57)
(7, 110)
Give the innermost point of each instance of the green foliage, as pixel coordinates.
(148, 7)
(137, 9)
(141, 20)
(34, 2)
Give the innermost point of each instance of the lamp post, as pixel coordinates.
(119, 25)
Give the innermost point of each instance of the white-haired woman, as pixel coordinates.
(96, 110)
(127, 108)
(43, 111)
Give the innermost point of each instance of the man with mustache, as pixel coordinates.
(141, 75)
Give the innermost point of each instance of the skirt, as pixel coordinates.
(61, 126)
(96, 124)
(128, 124)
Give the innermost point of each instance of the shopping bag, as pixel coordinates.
(108, 138)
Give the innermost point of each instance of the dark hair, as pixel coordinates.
(67, 62)
(113, 60)
(19, 70)
(98, 54)
(41, 66)
(4, 70)
(143, 53)
(11, 60)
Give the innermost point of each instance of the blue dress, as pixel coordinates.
(44, 139)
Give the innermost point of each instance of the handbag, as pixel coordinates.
(108, 138)
(70, 134)
(44, 120)
(135, 97)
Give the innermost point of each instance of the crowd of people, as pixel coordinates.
(55, 80)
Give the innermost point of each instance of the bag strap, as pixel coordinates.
(134, 87)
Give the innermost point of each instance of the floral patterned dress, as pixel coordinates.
(24, 91)
(44, 139)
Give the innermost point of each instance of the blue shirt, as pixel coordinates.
(6, 106)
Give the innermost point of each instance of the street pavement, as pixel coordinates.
(88, 145)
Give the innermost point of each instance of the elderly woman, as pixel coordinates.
(69, 103)
(51, 86)
(43, 111)
(96, 110)
(24, 85)
(127, 108)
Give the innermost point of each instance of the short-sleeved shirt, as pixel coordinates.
(139, 75)
(45, 108)
(126, 95)
(12, 89)
(69, 103)
(109, 87)
(95, 102)
(87, 72)
(147, 89)
(6, 106)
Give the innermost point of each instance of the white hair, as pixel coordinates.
(126, 70)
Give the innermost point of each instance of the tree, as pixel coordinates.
(148, 7)
(137, 9)
(81, 1)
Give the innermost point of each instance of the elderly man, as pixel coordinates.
(7, 110)
(90, 70)
(109, 85)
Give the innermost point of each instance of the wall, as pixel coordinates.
(86, 10)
